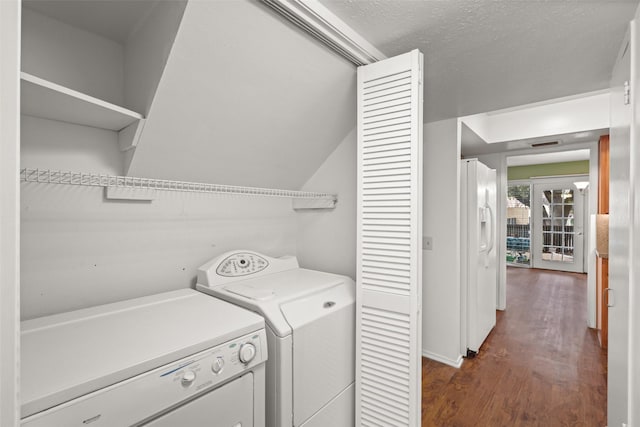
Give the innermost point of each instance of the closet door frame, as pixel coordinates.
(10, 16)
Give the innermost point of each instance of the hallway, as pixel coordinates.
(540, 366)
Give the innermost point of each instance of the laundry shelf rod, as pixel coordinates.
(48, 176)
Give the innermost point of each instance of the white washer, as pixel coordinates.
(310, 317)
(177, 358)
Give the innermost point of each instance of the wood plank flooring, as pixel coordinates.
(540, 366)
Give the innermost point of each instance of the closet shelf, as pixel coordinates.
(48, 100)
(323, 200)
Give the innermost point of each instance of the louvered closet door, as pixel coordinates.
(389, 272)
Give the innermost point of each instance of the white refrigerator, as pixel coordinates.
(478, 254)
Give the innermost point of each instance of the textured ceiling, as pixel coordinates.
(485, 55)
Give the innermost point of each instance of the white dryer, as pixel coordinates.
(310, 317)
(177, 358)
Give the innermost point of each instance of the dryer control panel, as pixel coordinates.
(236, 265)
(146, 395)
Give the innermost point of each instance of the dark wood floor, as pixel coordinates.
(540, 366)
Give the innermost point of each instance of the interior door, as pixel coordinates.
(558, 225)
(389, 237)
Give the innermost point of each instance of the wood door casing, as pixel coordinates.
(603, 175)
(602, 283)
(602, 264)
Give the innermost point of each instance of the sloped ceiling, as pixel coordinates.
(245, 99)
(485, 55)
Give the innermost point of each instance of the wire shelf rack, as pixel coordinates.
(48, 176)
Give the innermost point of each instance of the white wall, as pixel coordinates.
(327, 238)
(146, 52)
(79, 249)
(72, 57)
(64, 146)
(441, 221)
(9, 216)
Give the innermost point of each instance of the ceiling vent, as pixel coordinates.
(544, 144)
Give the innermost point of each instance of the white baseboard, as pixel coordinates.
(439, 358)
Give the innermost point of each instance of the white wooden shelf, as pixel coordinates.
(42, 98)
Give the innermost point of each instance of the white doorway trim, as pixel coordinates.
(580, 239)
(9, 211)
(499, 161)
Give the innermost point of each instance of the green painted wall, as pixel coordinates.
(549, 169)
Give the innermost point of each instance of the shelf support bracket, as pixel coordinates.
(128, 137)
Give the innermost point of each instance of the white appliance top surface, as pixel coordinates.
(68, 355)
(267, 293)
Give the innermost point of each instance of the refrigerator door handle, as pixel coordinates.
(492, 234)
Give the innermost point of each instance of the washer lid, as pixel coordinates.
(72, 354)
(252, 291)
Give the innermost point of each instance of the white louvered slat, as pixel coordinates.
(381, 223)
(373, 82)
(384, 113)
(404, 178)
(400, 339)
(375, 394)
(385, 228)
(385, 107)
(395, 117)
(386, 163)
(373, 283)
(389, 238)
(386, 116)
(378, 364)
(376, 85)
(382, 246)
(384, 233)
(389, 254)
(387, 93)
(386, 197)
(385, 154)
(383, 203)
(387, 146)
(404, 126)
(367, 262)
(373, 170)
(385, 137)
(395, 385)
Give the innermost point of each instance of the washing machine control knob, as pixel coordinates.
(217, 365)
(247, 352)
(188, 378)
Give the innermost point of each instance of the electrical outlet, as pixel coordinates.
(427, 243)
